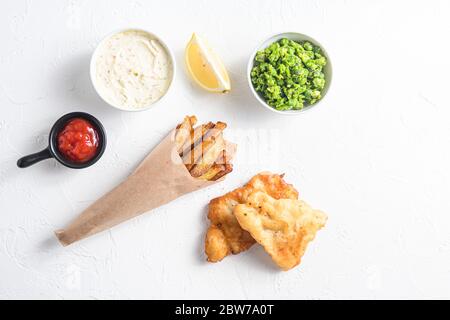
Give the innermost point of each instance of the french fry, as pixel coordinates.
(195, 137)
(217, 167)
(204, 151)
(228, 168)
(194, 155)
(208, 140)
(213, 171)
(225, 155)
(208, 159)
(216, 130)
(183, 131)
(225, 160)
(220, 165)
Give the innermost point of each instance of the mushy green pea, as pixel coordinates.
(289, 74)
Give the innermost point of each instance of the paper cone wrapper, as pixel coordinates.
(159, 179)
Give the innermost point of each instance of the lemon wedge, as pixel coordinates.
(205, 67)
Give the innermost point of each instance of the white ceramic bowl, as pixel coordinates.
(295, 37)
(93, 69)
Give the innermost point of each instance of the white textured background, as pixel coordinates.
(375, 155)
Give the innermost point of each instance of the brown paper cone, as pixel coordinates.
(159, 179)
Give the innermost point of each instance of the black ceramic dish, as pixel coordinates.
(52, 150)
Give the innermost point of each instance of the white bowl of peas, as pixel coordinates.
(289, 73)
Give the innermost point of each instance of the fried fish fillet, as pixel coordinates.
(225, 236)
(283, 227)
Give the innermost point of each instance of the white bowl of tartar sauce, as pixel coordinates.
(132, 69)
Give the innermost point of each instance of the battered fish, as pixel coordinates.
(225, 236)
(283, 227)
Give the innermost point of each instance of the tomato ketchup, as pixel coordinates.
(78, 140)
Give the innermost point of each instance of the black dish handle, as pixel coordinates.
(34, 158)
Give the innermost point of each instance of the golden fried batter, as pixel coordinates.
(225, 236)
(283, 227)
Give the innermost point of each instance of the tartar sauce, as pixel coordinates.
(133, 70)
